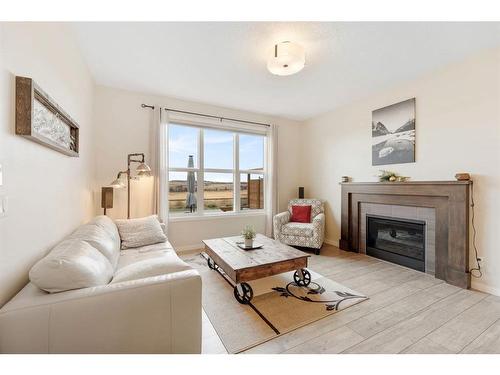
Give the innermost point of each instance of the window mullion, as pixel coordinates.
(200, 193)
(236, 171)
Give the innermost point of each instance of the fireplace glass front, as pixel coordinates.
(400, 241)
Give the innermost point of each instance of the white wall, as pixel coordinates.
(457, 130)
(123, 127)
(49, 193)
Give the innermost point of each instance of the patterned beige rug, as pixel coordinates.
(278, 306)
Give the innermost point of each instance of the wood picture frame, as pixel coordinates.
(40, 119)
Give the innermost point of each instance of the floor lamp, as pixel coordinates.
(142, 171)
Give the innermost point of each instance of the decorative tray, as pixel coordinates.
(256, 245)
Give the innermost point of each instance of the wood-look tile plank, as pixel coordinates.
(389, 316)
(356, 270)
(459, 332)
(330, 343)
(408, 332)
(426, 346)
(487, 342)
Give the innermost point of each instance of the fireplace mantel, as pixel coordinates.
(450, 199)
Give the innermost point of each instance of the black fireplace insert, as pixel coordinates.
(400, 241)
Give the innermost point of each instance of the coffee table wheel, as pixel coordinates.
(302, 277)
(211, 263)
(243, 293)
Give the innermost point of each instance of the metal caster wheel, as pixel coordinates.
(243, 293)
(211, 264)
(302, 277)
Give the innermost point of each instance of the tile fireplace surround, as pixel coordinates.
(425, 214)
(442, 205)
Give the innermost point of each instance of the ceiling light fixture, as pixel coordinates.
(287, 58)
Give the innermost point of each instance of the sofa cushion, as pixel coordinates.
(140, 232)
(97, 237)
(72, 264)
(148, 261)
(298, 229)
(109, 226)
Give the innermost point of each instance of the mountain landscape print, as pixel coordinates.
(393, 134)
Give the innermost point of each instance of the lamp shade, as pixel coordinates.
(117, 184)
(143, 167)
(107, 197)
(143, 170)
(286, 58)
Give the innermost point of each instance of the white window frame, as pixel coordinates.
(200, 171)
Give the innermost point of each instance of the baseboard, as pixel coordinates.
(477, 285)
(331, 242)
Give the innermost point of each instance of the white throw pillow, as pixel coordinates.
(140, 232)
(72, 264)
(97, 237)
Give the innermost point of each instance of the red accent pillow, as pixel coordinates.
(301, 214)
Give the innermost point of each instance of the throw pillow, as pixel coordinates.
(140, 232)
(301, 214)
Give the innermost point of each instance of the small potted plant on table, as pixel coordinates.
(248, 234)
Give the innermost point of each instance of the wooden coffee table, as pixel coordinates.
(242, 266)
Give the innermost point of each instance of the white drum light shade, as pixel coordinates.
(287, 58)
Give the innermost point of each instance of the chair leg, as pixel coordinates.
(317, 251)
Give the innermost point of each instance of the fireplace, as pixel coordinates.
(400, 241)
(446, 227)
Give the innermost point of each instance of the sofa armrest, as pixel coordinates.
(278, 221)
(319, 226)
(160, 314)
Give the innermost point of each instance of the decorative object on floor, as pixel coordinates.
(278, 305)
(345, 179)
(389, 176)
(462, 176)
(106, 198)
(142, 170)
(301, 234)
(301, 192)
(287, 58)
(393, 134)
(248, 234)
(40, 119)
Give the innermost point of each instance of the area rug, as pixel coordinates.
(278, 306)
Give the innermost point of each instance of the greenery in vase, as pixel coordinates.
(248, 233)
(389, 176)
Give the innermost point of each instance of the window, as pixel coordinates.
(214, 171)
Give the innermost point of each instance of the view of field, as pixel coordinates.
(217, 196)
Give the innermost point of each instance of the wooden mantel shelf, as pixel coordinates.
(454, 182)
(449, 199)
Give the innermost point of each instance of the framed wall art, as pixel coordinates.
(40, 119)
(393, 134)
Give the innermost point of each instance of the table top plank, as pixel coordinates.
(238, 259)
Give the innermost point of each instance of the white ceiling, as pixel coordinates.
(224, 63)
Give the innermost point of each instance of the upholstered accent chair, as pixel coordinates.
(301, 234)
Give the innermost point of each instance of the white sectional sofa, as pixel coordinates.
(158, 313)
